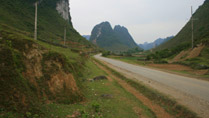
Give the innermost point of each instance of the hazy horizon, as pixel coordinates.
(146, 20)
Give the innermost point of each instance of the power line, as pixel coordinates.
(35, 29)
(64, 35)
(192, 23)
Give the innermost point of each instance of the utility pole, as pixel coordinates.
(64, 34)
(192, 27)
(36, 10)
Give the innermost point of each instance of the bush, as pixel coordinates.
(96, 107)
(166, 53)
(106, 53)
(161, 62)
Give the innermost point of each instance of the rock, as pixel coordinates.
(107, 96)
(100, 78)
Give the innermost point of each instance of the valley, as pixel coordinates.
(48, 70)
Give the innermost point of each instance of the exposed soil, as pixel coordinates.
(195, 52)
(58, 80)
(159, 111)
(171, 66)
(188, 54)
(138, 111)
(199, 72)
(177, 67)
(180, 56)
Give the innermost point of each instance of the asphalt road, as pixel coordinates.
(190, 86)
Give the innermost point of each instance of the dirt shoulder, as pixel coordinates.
(180, 70)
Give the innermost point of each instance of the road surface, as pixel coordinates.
(190, 92)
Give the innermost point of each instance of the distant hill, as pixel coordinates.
(148, 46)
(87, 37)
(117, 39)
(201, 30)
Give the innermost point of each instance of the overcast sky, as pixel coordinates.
(146, 20)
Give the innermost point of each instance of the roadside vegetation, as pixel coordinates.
(22, 98)
(103, 99)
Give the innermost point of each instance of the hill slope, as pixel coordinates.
(53, 16)
(117, 39)
(32, 74)
(201, 30)
(35, 73)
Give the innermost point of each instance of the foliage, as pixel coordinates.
(96, 107)
(131, 51)
(166, 53)
(106, 53)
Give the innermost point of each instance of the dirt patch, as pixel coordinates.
(138, 111)
(170, 66)
(199, 72)
(47, 73)
(60, 81)
(160, 112)
(188, 54)
(177, 67)
(180, 56)
(195, 52)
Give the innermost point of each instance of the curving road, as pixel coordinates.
(191, 92)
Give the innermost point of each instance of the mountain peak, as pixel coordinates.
(120, 28)
(63, 9)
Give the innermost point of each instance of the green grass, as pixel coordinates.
(170, 105)
(119, 106)
(66, 51)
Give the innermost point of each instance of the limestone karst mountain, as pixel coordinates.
(117, 39)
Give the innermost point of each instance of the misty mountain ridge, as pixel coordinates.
(87, 37)
(159, 41)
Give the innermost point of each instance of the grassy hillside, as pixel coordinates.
(20, 15)
(33, 73)
(39, 80)
(201, 30)
(179, 49)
